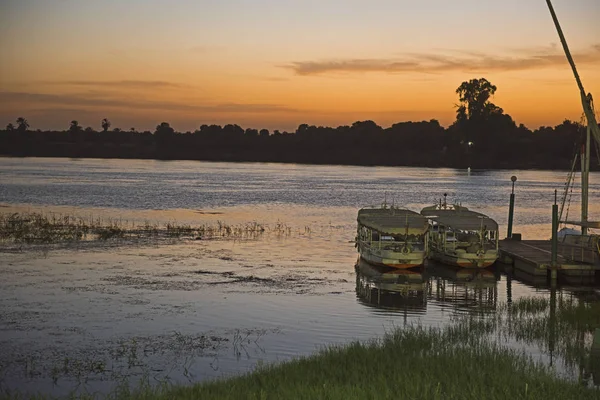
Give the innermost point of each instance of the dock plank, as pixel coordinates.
(536, 255)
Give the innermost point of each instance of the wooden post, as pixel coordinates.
(511, 208)
(554, 263)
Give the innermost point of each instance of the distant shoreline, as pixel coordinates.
(593, 168)
(420, 145)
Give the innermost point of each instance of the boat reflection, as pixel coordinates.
(463, 289)
(391, 288)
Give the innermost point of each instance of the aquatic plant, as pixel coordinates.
(39, 228)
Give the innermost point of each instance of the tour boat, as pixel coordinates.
(391, 236)
(461, 237)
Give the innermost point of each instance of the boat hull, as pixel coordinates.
(465, 260)
(394, 259)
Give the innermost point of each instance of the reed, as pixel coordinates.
(39, 228)
(415, 363)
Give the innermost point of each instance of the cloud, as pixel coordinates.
(83, 101)
(124, 84)
(438, 62)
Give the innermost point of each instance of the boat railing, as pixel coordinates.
(396, 245)
(581, 248)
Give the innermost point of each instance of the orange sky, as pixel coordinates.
(277, 64)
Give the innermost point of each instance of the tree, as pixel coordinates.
(89, 129)
(105, 125)
(10, 127)
(250, 132)
(164, 129)
(264, 132)
(22, 124)
(474, 97)
(75, 127)
(476, 114)
(132, 130)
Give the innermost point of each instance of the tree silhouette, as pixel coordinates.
(10, 127)
(75, 127)
(164, 129)
(476, 115)
(105, 124)
(264, 132)
(474, 96)
(22, 124)
(250, 132)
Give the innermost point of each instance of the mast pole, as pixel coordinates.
(592, 128)
(585, 180)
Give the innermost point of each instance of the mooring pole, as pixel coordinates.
(511, 208)
(554, 265)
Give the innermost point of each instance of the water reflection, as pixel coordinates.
(463, 289)
(410, 290)
(391, 289)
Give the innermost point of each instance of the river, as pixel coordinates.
(84, 318)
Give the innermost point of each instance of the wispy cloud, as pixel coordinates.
(79, 100)
(438, 62)
(123, 84)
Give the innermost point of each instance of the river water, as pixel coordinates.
(84, 318)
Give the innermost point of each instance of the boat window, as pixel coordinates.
(375, 236)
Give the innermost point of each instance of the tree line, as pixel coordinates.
(482, 136)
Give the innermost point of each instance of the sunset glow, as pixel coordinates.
(277, 64)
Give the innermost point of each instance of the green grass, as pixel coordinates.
(411, 363)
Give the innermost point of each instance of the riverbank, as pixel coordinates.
(456, 362)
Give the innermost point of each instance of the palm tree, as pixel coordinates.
(22, 124)
(105, 124)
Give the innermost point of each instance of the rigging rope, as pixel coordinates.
(568, 185)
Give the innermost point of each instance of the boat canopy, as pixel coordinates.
(463, 219)
(393, 221)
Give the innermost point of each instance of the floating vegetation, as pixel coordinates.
(38, 228)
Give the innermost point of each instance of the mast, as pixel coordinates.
(592, 125)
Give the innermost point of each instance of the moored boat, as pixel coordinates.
(461, 237)
(392, 236)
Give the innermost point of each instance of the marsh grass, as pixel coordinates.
(564, 328)
(410, 363)
(459, 361)
(38, 228)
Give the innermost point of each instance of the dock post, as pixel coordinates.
(554, 266)
(552, 324)
(511, 208)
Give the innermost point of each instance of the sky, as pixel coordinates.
(276, 64)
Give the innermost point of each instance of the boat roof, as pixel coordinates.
(393, 220)
(461, 218)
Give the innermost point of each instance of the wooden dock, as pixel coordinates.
(535, 258)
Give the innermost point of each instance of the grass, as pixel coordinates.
(38, 228)
(456, 362)
(412, 363)
(566, 329)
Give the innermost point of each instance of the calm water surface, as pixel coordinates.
(84, 318)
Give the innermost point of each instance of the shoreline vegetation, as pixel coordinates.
(54, 228)
(481, 137)
(463, 360)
